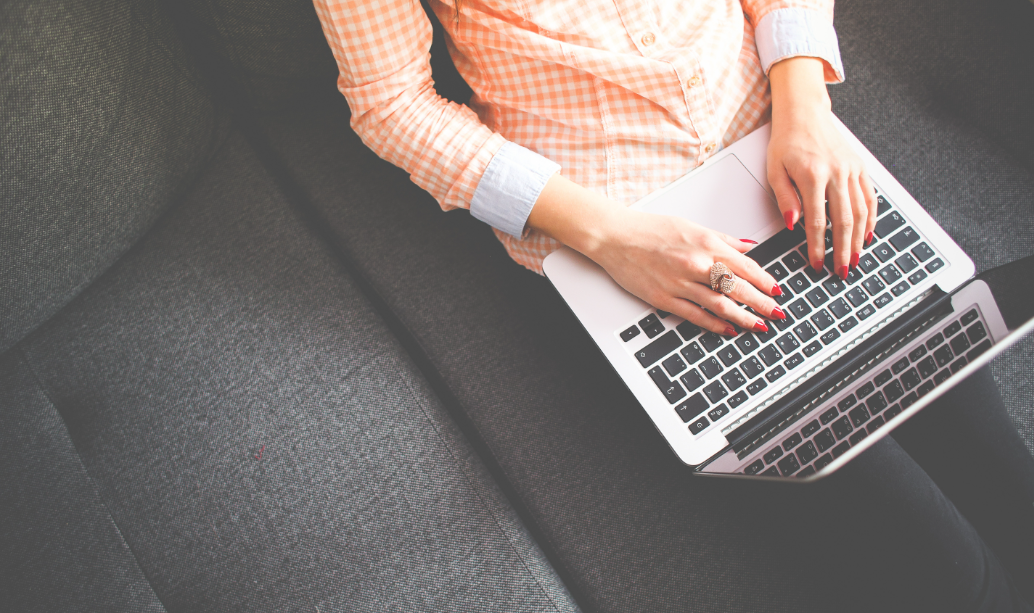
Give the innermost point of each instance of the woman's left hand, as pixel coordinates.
(808, 151)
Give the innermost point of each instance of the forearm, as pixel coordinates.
(798, 90)
(573, 215)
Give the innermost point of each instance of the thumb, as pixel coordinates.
(785, 193)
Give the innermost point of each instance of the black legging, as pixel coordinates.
(938, 516)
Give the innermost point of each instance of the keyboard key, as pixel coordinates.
(674, 365)
(959, 344)
(888, 224)
(658, 349)
(688, 409)
(916, 277)
(824, 440)
(789, 465)
(771, 472)
(894, 391)
(900, 288)
(969, 318)
(710, 367)
(776, 246)
(752, 367)
(841, 427)
(927, 367)
(817, 297)
(890, 274)
(830, 336)
(798, 283)
(840, 308)
(846, 403)
(756, 386)
(910, 378)
(662, 314)
(747, 343)
(857, 296)
(830, 414)
(718, 412)
(810, 428)
(941, 377)
(935, 265)
(671, 390)
(882, 206)
(958, 365)
(822, 319)
(754, 468)
(764, 337)
(775, 373)
(787, 343)
(876, 403)
(858, 417)
(693, 353)
(892, 412)
(981, 348)
(922, 252)
(799, 308)
(715, 392)
(867, 263)
(882, 300)
(807, 453)
(792, 441)
(711, 341)
(692, 380)
(699, 425)
(840, 449)
(858, 436)
(847, 324)
(875, 423)
(805, 331)
(873, 285)
(654, 330)
(770, 355)
(630, 333)
(815, 275)
(793, 361)
(728, 355)
(823, 462)
(812, 349)
(854, 276)
(649, 320)
(773, 454)
(935, 340)
(883, 252)
(903, 239)
(882, 378)
(925, 388)
(952, 329)
(794, 261)
(807, 471)
(900, 365)
(777, 271)
(834, 285)
(906, 263)
(866, 311)
(688, 330)
(784, 297)
(734, 379)
(865, 390)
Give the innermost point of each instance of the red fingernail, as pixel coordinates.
(788, 216)
(817, 265)
(776, 291)
(778, 313)
(747, 240)
(760, 326)
(730, 331)
(843, 273)
(868, 238)
(854, 260)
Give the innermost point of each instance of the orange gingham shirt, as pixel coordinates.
(623, 96)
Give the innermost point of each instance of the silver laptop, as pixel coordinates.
(853, 359)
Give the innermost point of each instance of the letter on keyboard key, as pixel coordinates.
(747, 343)
(658, 349)
(715, 392)
(888, 223)
(789, 465)
(822, 320)
(867, 263)
(841, 427)
(691, 407)
(770, 355)
(807, 453)
(798, 283)
(824, 440)
(799, 308)
(883, 252)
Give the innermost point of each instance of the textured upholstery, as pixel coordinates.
(102, 124)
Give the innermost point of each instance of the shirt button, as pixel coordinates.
(710, 148)
(695, 81)
(648, 39)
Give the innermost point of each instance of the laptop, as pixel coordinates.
(853, 359)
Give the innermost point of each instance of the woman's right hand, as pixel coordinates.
(666, 261)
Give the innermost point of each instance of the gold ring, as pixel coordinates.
(722, 279)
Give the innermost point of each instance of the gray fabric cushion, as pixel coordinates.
(59, 550)
(101, 126)
(259, 437)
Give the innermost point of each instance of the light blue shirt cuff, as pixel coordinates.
(509, 188)
(786, 33)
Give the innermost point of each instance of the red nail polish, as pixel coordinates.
(776, 291)
(788, 216)
(868, 239)
(843, 273)
(730, 331)
(760, 326)
(747, 240)
(778, 313)
(817, 265)
(854, 260)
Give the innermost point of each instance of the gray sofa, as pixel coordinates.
(245, 365)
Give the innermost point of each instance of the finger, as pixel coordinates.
(870, 202)
(749, 295)
(814, 194)
(860, 208)
(741, 245)
(696, 315)
(786, 196)
(842, 220)
(723, 307)
(748, 270)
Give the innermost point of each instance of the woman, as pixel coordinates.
(580, 109)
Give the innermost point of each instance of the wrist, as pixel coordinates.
(798, 89)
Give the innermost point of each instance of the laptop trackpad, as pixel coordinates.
(724, 197)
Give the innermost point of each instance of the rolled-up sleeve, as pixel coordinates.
(382, 49)
(785, 29)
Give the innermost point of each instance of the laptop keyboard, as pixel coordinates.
(898, 383)
(704, 376)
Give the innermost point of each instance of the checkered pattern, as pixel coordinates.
(626, 95)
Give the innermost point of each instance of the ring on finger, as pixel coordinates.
(722, 279)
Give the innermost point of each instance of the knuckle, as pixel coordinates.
(843, 225)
